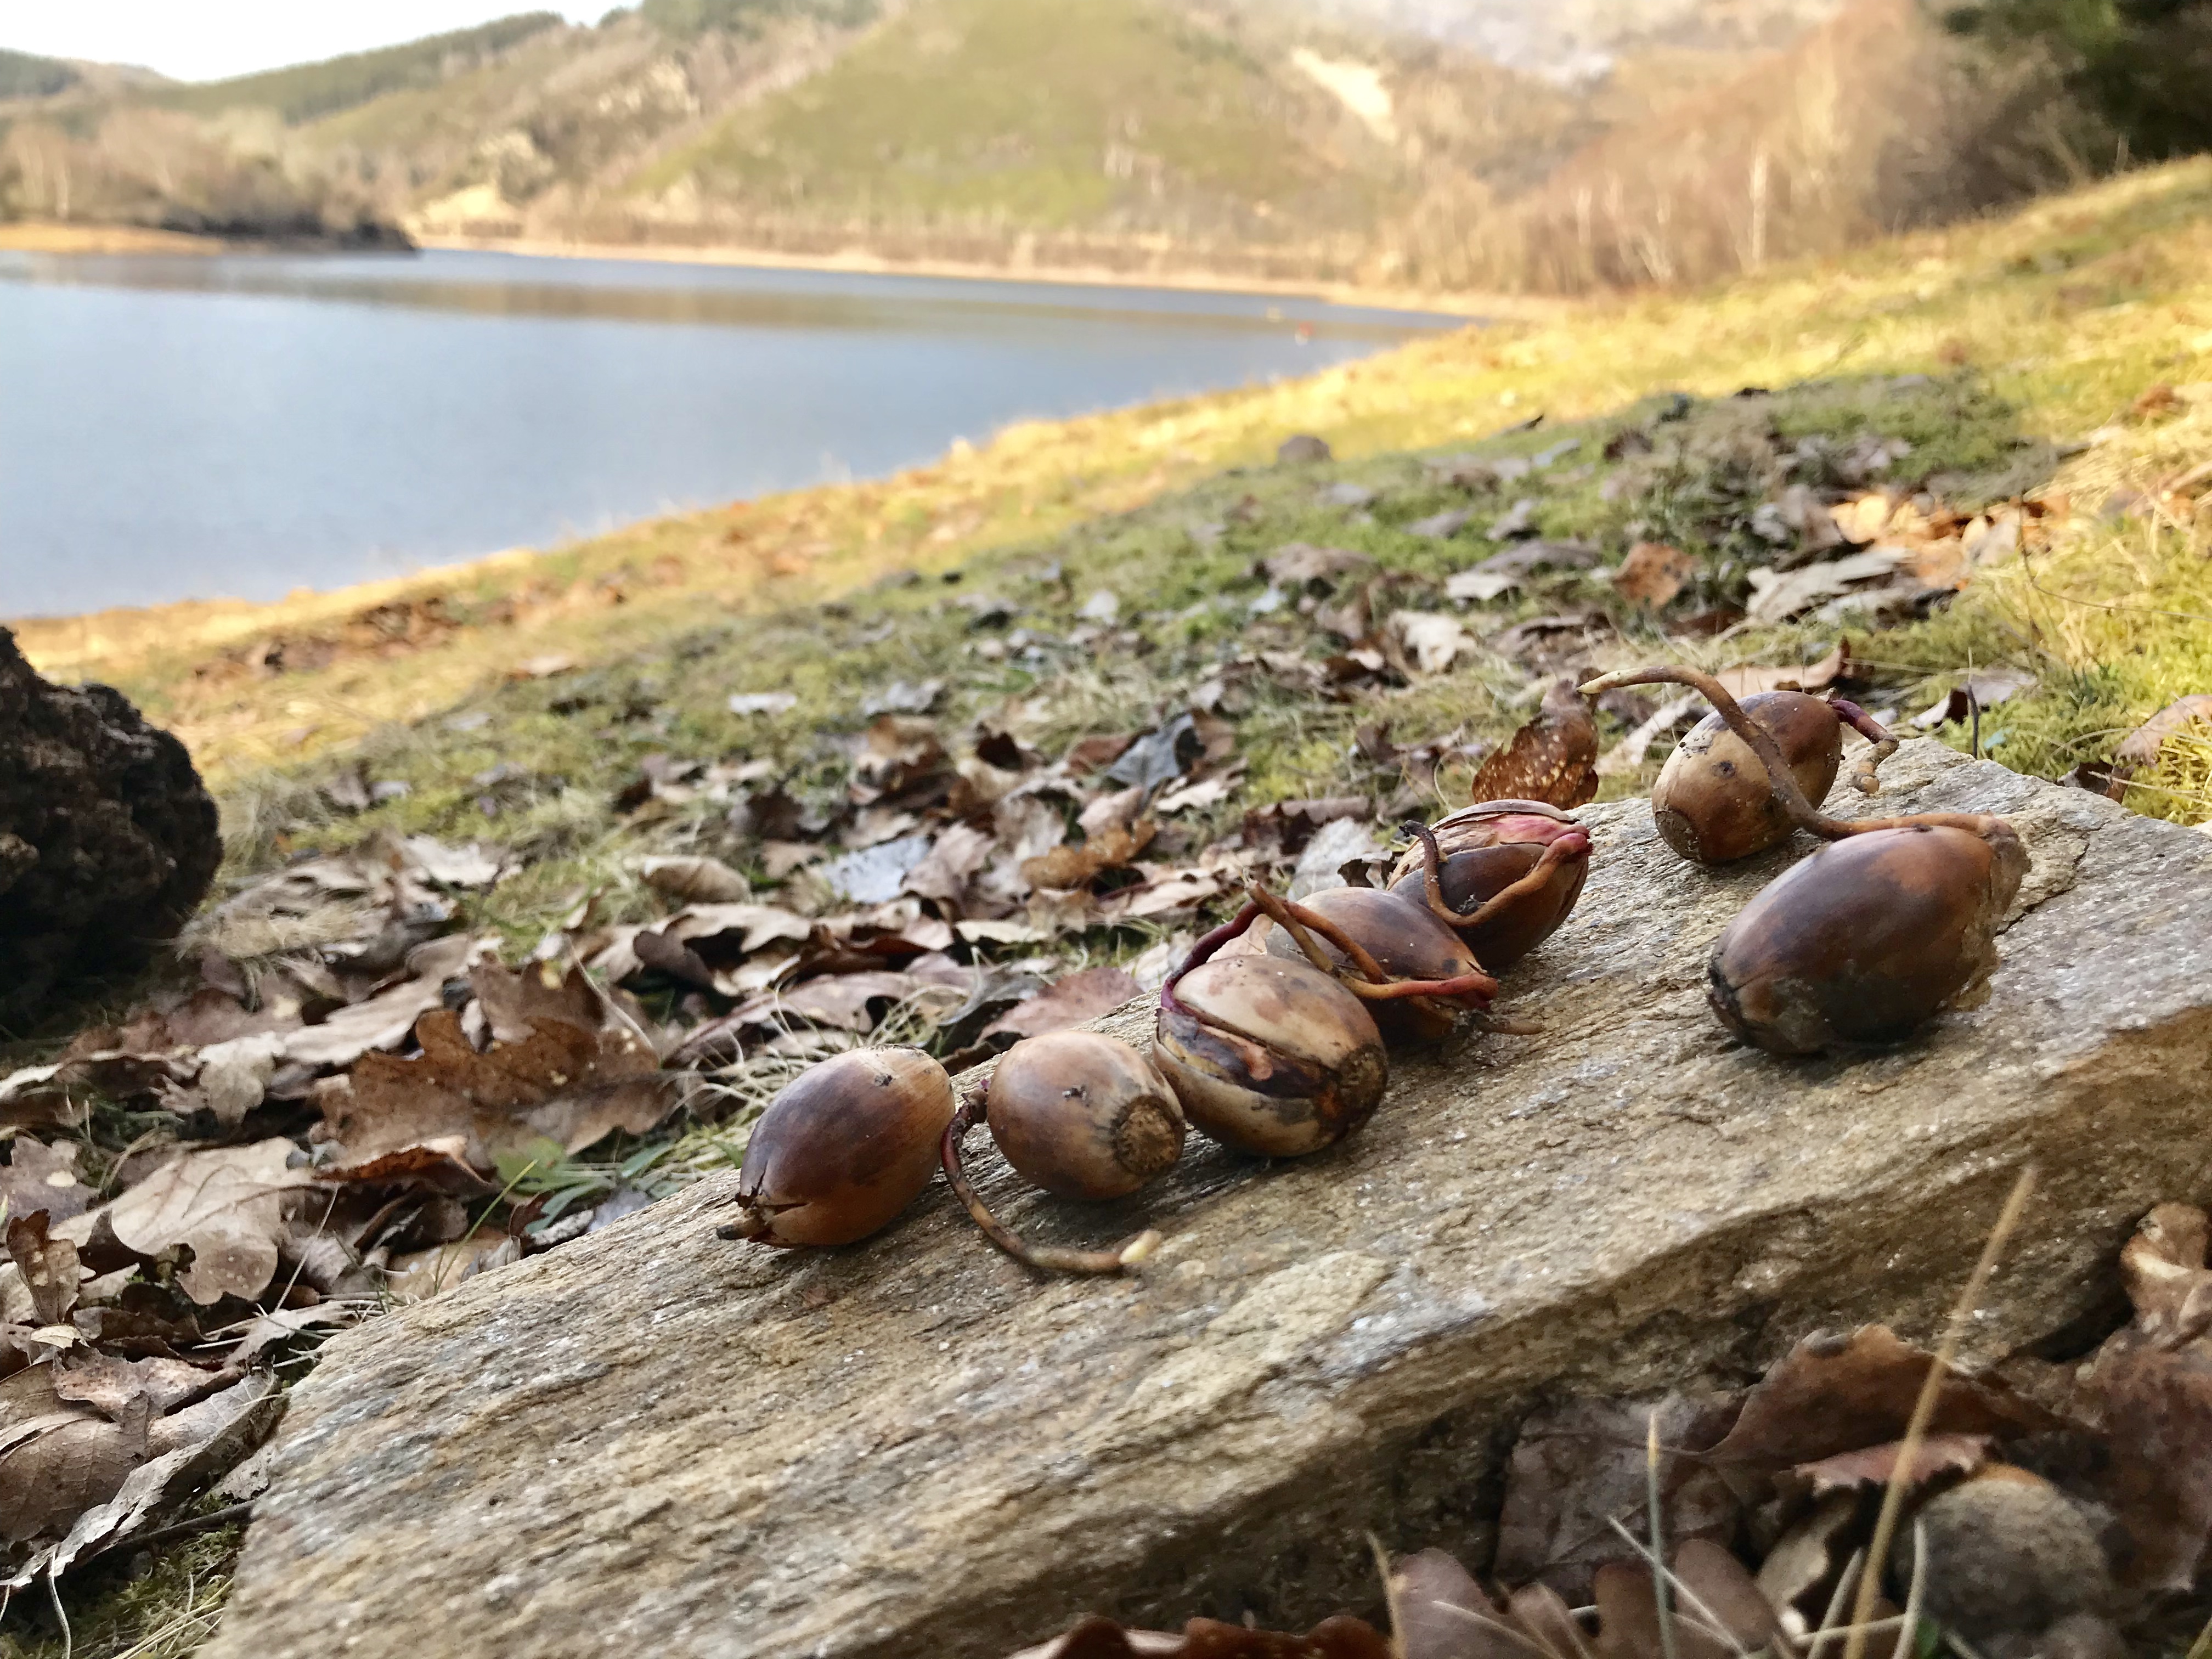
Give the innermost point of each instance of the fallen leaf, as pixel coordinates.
(1341, 841)
(1320, 569)
(186, 1452)
(1575, 1465)
(1748, 679)
(898, 756)
(1075, 999)
(1877, 1465)
(1433, 641)
(762, 702)
(1776, 596)
(953, 861)
(901, 697)
(1552, 759)
(1987, 689)
(1832, 1394)
(1438, 1612)
(694, 880)
(1097, 1637)
(226, 1204)
(563, 1083)
(114, 1387)
(877, 874)
(48, 1265)
(2141, 747)
(385, 1019)
(1653, 574)
(1160, 757)
(1479, 586)
(40, 1177)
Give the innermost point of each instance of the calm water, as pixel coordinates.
(241, 426)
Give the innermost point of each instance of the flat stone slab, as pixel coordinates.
(654, 1442)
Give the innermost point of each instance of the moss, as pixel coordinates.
(156, 1604)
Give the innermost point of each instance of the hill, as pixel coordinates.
(1222, 135)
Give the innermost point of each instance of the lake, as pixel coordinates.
(241, 426)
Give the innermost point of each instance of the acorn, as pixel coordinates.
(1503, 874)
(842, 1149)
(1268, 1056)
(1868, 939)
(1711, 803)
(1398, 940)
(1081, 1115)
(1871, 937)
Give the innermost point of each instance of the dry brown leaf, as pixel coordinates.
(1877, 1465)
(899, 757)
(227, 1205)
(1832, 1394)
(1302, 565)
(1575, 1466)
(114, 1387)
(385, 1019)
(1653, 574)
(1075, 999)
(1438, 1612)
(1750, 677)
(1552, 759)
(49, 1267)
(42, 1177)
(1713, 1580)
(2151, 1390)
(563, 1084)
(953, 861)
(694, 880)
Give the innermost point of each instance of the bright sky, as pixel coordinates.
(207, 39)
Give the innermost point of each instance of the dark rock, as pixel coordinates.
(107, 839)
(1303, 450)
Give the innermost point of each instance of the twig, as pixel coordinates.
(1907, 1636)
(1923, 1409)
(54, 1592)
(214, 1521)
(1665, 1608)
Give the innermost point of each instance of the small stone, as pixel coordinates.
(1304, 449)
(2005, 1552)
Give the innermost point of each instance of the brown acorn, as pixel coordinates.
(1404, 941)
(1506, 875)
(1711, 803)
(1268, 1056)
(1868, 939)
(846, 1146)
(1871, 937)
(1081, 1115)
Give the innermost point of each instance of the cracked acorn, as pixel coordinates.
(1081, 1115)
(1501, 874)
(1712, 803)
(1875, 934)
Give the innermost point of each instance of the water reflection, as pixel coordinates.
(638, 291)
(242, 425)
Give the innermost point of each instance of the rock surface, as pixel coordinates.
(107, 839)
(654, 1442)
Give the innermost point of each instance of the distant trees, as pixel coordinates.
(22, 75)
(2144, 65)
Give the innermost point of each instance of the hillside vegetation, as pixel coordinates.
(1532, 148)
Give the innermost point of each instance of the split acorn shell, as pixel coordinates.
(844, 1148)
(1867, 938)
(1084, 1115)
(1486, 848)
(1406, 940)
(1712, 803)
(1269, 1056)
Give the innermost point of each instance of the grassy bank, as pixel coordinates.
(2066, 313)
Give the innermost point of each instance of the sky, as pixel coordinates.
(207, 39)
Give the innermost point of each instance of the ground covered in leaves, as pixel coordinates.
(479, 982)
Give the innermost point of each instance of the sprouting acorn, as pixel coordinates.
(1268, 1056)
(1081, 1115)
(1503, 874)
(1398, 938)
(1711, 803)
(842, 1149)
(1873, 935)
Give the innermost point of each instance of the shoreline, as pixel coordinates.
(1473, 307)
